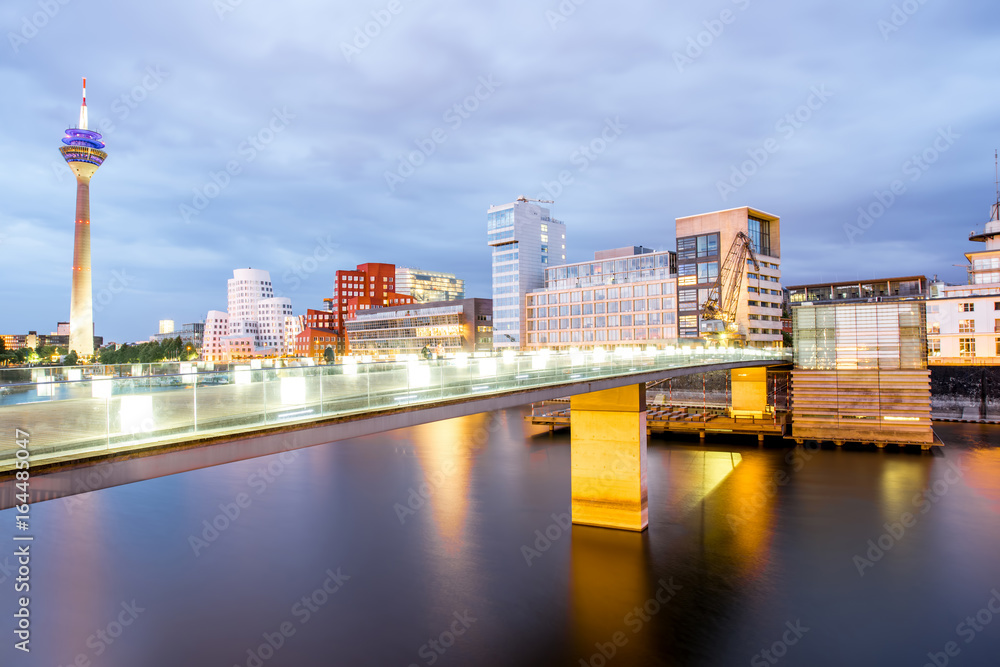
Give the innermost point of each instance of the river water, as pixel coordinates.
(445, 544)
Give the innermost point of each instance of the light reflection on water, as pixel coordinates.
(436, 520)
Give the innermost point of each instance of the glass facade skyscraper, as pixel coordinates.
(525, 240)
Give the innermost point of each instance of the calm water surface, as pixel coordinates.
(442, 545)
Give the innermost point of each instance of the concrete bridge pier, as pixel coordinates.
(608, 452)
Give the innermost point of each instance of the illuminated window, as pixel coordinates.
(967, 307)
(966, 347)
(966, 326)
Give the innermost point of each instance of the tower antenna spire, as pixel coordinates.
(83, 106)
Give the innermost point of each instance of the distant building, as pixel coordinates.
(190, 333)
(166, 326)
(317, 333)
(964, 320)
(526, 240)
(254, 324)
(370, 285)
(34, 340)
(313, 342)
(703, 243)
(427, 286)
(465, 325)
(625, 296)
(62, 329)
(214, 346)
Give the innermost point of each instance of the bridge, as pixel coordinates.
(97, 427)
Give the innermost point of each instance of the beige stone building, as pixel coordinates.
(703, 243)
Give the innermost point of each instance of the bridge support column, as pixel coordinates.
(749, 392)
(608, 452)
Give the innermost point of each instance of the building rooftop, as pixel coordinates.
(627, 251)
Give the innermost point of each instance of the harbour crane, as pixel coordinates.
(718, 313)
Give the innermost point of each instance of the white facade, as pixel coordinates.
(963, 324)
(293, 327)
(525, 240)
(213, 347)
(256, 324)
(271, 314)
(963, 321)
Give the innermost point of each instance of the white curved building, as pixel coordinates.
(256, 324)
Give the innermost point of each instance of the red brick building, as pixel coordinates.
(371, 285)
(318, 333)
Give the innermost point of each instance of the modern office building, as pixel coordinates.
(526, 240)
(704, 242)
(428, 286)
(83, 154)
(465, 325)
(860, 369)
(191, 332)
(166, 326)
(625, 296)
(370, 285)
(964, 320)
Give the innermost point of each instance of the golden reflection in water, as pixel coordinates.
(739, 514)
(901, 479)
(691, 475)
(609, 579)
(445, 453)
(983, 475)
(612, 590)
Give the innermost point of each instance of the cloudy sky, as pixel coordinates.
(302, 137)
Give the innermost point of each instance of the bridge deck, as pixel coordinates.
(104, 417)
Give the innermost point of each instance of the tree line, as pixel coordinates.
(170, 349)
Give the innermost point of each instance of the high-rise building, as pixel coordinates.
(525, 240)
(166, 326)
(428, 286)
(704, 242)
(624, 296)
(83, 154)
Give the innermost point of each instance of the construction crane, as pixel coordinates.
(541, 201)
(718, 313)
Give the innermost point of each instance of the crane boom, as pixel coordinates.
(723, 298)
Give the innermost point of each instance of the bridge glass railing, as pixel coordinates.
(68, 416)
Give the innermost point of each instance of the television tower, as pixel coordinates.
(83, 154)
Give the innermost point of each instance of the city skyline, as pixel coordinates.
(295, 150)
